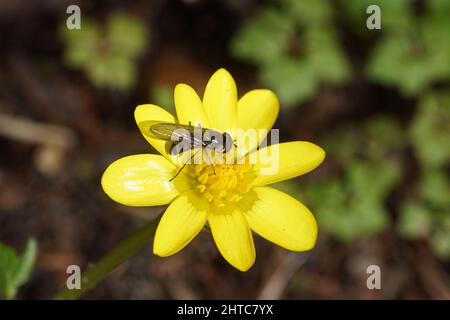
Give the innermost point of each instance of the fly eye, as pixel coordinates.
(209, 135)
(225, 138)
(227, 142)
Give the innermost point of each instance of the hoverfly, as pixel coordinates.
(181, 137)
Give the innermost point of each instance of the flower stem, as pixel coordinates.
(110, 261)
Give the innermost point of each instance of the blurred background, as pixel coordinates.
(378, 101)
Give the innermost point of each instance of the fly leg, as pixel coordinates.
(198, 125)
(184, 164)
(210, 161)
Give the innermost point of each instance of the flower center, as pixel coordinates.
(222, 183)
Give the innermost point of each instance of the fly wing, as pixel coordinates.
(171, 132)
(174, 133)
(163, 130)
(157, 129)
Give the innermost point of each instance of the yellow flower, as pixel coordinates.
(234, 200)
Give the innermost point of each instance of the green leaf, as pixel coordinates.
(352, 204)
(162, 95)
(294, 49)
(413, 58)
(439, 6)
(415, 220)
(326, 57)
(369, 217)
(440, 242)
(127, 35)
(372, 180)
(292, 80)
(264, 37)
(15, 270)
(342, 144)
(310, 12)
(81, 44)
(399, 61)
(430, 130)
(380, 141)
(435, 188)
(344, 213)
(113, 71)
(107, 55)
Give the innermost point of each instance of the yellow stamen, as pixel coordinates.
(222, 184)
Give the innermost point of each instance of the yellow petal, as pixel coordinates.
(257, 109)
(285, 161)
(189, 107)
(182, 221)
(279, 218)
(220, 101)
(232, 236)
(143, 180)
(150, 112)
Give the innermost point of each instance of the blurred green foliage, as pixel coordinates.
(352, 202)
(162, 95)
(106, 53)
(295, 47)
(414, 51)
(15, 269)
(426, 213)
(366, 162)
(430, 130)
